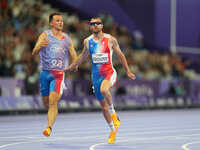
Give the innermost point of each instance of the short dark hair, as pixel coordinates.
(96, 17)
(53, 14)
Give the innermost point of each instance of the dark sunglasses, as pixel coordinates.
(95, 23)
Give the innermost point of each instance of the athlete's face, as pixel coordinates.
(96, 25)
(57, 22)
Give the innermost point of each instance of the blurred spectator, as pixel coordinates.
(176, 89)
(138, 40)
(22, 21)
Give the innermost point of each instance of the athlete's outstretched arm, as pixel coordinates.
(72, 51)
(121, 57)
(84, 54)
(41, 43)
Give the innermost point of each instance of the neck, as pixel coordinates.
(56, 32)
(98, 35)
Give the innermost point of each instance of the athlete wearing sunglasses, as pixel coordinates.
(95, 23)
(101, 46)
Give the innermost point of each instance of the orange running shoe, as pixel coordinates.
(47, 131)
(111, 139)
(115, 120)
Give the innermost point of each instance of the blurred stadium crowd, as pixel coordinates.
(21, 21)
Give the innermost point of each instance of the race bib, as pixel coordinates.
(100, 58)
(56, 63)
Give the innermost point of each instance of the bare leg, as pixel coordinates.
(105, 90)
(106, 105)
(53, 108)
(104, 108)
(45, 100)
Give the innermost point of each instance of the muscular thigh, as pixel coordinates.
(54, 97)
(103, 81)
(109, 80)
(106, 85)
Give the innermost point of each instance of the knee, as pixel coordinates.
(52, 103)
(104, 91)
(45, 102)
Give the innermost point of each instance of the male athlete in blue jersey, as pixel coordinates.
(53, 46)
(101, 46)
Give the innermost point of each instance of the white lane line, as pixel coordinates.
(159, 132)
(185, 146)
(17, 143)
(16, 137)
(137, 132)
(98, 144)
(95, 145)
(179, 137)
(44, 139)
(104, 132)
(13, 129)
(161, 137)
